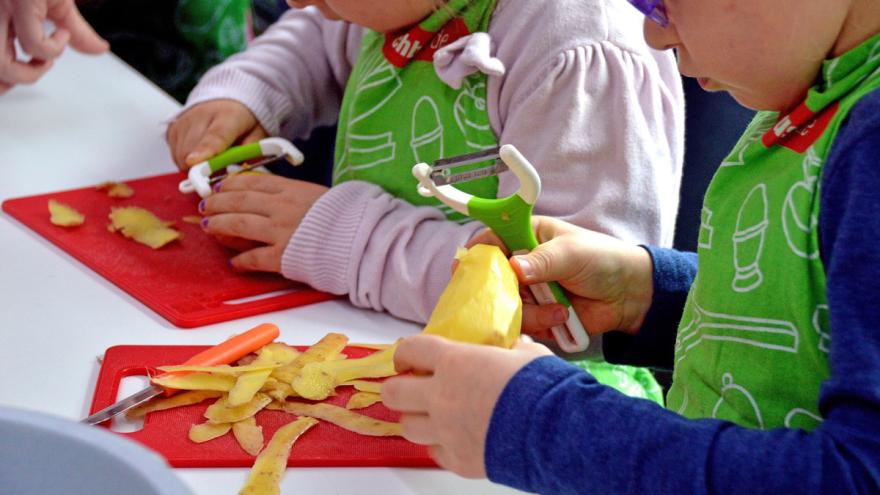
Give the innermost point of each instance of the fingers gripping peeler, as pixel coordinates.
(510, 218)
(200, 177)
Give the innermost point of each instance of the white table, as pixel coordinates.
(93, 119)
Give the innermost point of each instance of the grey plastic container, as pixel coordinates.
(42, 454)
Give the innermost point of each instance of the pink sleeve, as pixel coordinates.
(292, 76)
(385, 253)
(604, 127)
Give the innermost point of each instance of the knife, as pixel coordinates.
(232, 349)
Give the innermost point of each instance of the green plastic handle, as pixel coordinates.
(236, 154)
(511, 220)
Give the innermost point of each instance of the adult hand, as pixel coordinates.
(609, 281)
(209, 128)
(262, 210)
(23, 19)
(447, 403)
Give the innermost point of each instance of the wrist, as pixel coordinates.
(639, 289)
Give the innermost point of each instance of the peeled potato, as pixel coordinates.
(63, 215)
(481, 304)
(142, 226)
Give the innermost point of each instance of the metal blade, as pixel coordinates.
(124, 405)
(457, 161)
(245, 168)
(441, 179)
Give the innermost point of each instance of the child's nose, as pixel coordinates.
(659, 37)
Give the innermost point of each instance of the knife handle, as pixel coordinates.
(232, 349)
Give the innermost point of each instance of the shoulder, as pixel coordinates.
(536, 38)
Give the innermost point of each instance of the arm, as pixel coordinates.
(840, 456)
(298, 67)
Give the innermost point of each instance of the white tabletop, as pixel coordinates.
(93, 119)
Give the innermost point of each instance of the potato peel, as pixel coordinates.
(221, 412)
(142, 226)
(364, 386)
(265, 477)
(203, 432)
(341, 417)
(160, 404)
(197, 381)
(361, 400)
(116, 189)
(317, 381)
(63, 215)
(248, 435)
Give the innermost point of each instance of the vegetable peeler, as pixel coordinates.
(270, 149)
(232, 349)
(510, 218)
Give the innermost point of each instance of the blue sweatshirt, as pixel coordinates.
(556, 430)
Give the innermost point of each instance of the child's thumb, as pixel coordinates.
(545, 263)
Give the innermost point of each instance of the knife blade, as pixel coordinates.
(232, 349)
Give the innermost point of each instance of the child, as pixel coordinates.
(776, 357)
(572, 84)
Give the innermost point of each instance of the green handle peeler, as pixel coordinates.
(510, 218)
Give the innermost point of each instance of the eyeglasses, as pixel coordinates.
(653, 9)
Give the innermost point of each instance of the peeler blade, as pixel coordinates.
(441, 170)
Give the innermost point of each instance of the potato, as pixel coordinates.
(481, 304)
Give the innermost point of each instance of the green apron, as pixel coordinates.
(397, 112)
(752, 345)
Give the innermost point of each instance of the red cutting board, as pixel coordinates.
(323, 445)
(188, 282)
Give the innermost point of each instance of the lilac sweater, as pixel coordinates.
(598, 113)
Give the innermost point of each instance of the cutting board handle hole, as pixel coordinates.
(260, 297)
(127, 386)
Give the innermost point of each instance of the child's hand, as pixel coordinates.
(448, 403)
(209, 128)
(24, 19)
(609, 281)
(262, 208)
